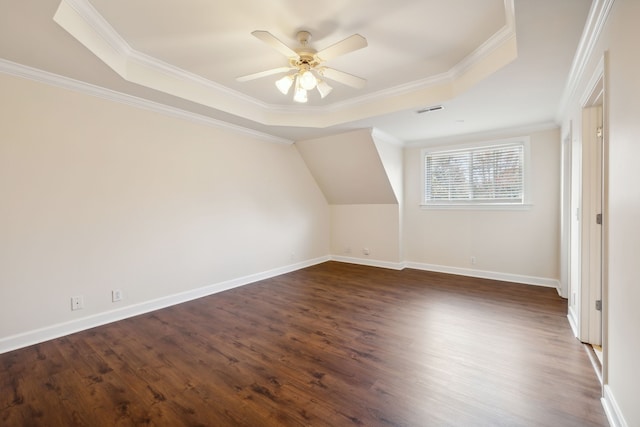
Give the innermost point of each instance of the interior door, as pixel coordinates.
(591, 227)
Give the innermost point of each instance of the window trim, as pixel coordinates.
(525, 204)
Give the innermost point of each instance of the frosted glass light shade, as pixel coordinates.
(300, 95)
(307, 80)
(324, 88)
(284, 84)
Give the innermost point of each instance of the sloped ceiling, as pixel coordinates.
(348, 168)
(491, 63)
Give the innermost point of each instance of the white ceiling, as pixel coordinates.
(493, 64)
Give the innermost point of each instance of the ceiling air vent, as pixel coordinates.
(430, 109)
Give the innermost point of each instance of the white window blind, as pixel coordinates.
(483, 175)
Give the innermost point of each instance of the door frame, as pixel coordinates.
(589, 196)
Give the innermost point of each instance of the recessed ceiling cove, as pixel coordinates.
(196, 49)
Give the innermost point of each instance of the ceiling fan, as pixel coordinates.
(305, 62)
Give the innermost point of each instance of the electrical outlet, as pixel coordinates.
(366, 251)
(473, 260)
(77, 303)
(116, 295)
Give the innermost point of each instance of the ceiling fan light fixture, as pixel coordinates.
(300, 94)
(307, 80)
(323, 88)
(305, 63)
(284, 84)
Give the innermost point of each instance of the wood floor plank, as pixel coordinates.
(330, 345)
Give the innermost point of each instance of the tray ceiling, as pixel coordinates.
(187, 54)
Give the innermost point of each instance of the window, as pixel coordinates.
(487, 174)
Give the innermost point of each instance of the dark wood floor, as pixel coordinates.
(331, 345)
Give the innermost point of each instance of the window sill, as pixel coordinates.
(480, 206)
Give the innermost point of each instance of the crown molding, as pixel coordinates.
(23, 71)
(596, 21)
(80, 19)
(99, 24)
(504, 36)
(85, 23)
(110, 36)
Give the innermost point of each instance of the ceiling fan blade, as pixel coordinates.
(342, 77)
(347, 45)
(263, 74)
(275, 43)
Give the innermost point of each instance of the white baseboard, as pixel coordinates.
(505, 277)
(573, 322)
(369, 262)
(26, 339)
(611, 408)
(493, 275)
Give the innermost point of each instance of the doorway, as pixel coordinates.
(587, 254)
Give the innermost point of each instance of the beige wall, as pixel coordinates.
(96, 195)
(392, 158)
(373, 227)
(360, 173)
(513, 242)
(622, 345)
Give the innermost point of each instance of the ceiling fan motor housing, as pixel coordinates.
(304, 61)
